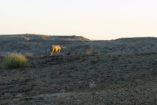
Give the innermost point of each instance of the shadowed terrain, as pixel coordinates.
(116, 72)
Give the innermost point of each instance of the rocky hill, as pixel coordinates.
(88, 72)
(39, 44)
(36, 44)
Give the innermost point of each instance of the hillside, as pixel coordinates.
(39, 45)
(36, 44)
(87, 72)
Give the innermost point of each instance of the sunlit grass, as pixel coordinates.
(15, 60)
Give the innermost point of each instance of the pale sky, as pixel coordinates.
(94, 19)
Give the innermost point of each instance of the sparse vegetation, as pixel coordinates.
(15, 60)
(86, 73)
(28, 54)
(104, 52)
(89, 51)
(27, 39)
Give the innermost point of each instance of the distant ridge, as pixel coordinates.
(50, 37)
(138, 38)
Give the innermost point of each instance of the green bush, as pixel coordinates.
(15, 60)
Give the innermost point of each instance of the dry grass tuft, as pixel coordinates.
(25, 38)
(15, 60)
(90, 51)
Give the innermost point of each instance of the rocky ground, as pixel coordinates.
(108, 79)
(117, 72)
(39, 45)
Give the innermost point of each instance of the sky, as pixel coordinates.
(94, 19)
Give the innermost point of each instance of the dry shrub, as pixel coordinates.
(44, 37)
(98, 53)
(28, 54)
(25, 38)
(89, 51)
(15, 60)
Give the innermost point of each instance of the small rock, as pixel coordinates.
(92, 84)
(62, 90)
(19, 95)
